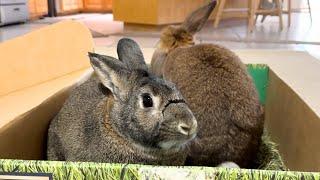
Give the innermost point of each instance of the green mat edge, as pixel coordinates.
(260, 76)
(89, 170)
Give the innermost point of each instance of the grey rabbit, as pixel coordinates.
(122, 114)
(218, 90)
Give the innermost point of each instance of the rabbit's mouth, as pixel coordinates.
(176, 144)
(179, 125)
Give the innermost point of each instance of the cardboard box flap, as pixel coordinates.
(44, 54)
(16, 103)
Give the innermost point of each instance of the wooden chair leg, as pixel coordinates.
(252, 12)
(263, 18)
(289, 13)
(310, 10)
(257, 5)
(221, 4)
(279, 9)
(256, 19)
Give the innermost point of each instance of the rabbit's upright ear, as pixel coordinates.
(130, 54)
(112, 73)
(197, 19)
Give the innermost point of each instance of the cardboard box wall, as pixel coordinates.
(37, 80)
(33, 68)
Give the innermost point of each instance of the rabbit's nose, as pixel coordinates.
(186, 129)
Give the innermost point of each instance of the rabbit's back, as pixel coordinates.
(75, 128)
(223, 98)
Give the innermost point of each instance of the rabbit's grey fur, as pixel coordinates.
(219, 91)
(103, 119)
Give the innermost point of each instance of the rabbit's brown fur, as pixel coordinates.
(218, 90)
(173, 37)
(224, 100)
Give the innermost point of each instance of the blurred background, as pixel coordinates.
(236, 24)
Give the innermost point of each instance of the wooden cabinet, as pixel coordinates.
(98, 5)
(80, 4)
(93, 4)
(70, 6)
(37, 8)
(32, 8)
(73, 6)
(42, 6)
(154, 12)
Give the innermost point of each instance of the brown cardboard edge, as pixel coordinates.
(293, 125)
(25, 136)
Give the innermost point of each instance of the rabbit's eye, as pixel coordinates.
(147, 100)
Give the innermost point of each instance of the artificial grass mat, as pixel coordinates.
(268, 157)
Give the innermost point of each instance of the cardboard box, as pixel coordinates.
(38, 71)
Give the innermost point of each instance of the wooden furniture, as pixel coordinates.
(309, 7)
(76, 6)
(69, 6)
(288, 11)
(97, 6)
(253, 11)
(148, 13)
(221, 11)
(154, 12)
(37, 8)
(278, 11)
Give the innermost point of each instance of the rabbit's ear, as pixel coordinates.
(112, 73)
(197, 19)
(130, 54)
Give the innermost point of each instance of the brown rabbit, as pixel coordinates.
(218, 90)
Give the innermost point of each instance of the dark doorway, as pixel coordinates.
(52, 10)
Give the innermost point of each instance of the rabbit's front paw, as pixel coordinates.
(228, 164)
